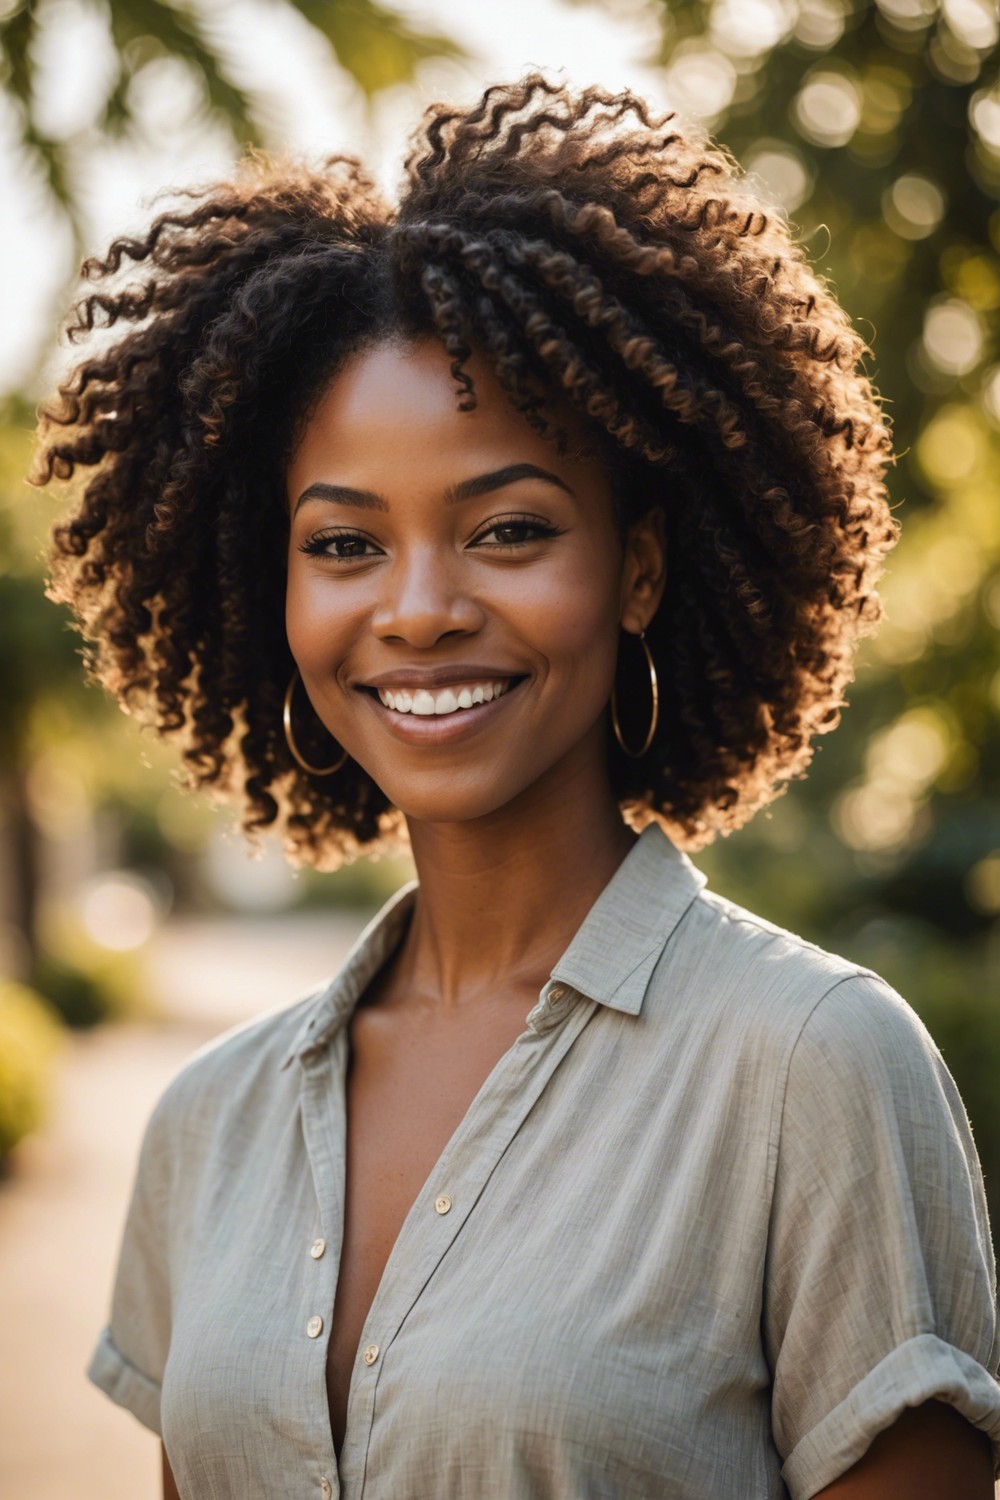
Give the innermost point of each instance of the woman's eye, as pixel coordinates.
(340, 546)
(514, 531)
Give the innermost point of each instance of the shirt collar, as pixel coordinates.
(615, 951)
(610, 959)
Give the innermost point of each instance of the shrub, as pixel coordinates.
(29, 1035)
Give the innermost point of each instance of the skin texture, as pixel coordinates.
(419, 582)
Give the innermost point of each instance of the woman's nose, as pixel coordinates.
(424, 600)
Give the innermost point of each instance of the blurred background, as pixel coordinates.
(133, 925)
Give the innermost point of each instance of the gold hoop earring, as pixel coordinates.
(286, 719)
(654, 688)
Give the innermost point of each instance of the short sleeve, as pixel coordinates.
(131, 1353)
(880, 1285)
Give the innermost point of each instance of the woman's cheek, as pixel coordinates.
(317, 623)
(571, 616)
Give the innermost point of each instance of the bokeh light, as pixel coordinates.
(118, 910)
(748, 28)
(990, 394)
(950, 448)
(700, 81)
(781, 173)
(827, 110)
(820, 24)
(984, 115)
(973, 22)
(265, 883)
(881, 812)
(909, 15)
(982, 885)
(913, 206)
(953, 336)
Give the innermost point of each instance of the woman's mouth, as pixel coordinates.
(437, 715)
(426, 702)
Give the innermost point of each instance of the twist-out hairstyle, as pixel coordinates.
(586, 249)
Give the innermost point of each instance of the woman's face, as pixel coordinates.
(456, 587)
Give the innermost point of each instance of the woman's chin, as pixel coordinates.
(448, 805)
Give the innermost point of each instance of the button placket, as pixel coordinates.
(319, 1073)
(466, 1165)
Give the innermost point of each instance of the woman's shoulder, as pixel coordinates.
(238, 1070)
(784, 988)
(246, 1072)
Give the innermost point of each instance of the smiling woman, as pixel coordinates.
(538, 517)
(434, 587)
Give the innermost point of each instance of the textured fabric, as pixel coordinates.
(716, 1220)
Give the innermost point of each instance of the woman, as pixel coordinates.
(552, 496)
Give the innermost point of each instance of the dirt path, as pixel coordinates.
(61, 1212)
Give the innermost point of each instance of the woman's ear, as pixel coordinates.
(644, 571)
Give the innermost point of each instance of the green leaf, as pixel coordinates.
(177, 33)
(374, 43)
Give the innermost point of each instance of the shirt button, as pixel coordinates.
(315, 1326)
(317, 1248)
(557, 993)
(371, 1354)
(326, 1488)
(442, 1204)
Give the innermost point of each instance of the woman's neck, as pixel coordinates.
(501, 897)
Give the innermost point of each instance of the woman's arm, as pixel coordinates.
(928, 1452)
(170, 1488)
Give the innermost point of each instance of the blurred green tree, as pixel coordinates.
(373, 42)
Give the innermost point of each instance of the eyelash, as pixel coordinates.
(316, 546)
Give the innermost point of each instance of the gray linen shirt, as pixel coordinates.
(711, 1223)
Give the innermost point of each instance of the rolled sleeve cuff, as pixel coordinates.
(112, 1373)
(923, 1369)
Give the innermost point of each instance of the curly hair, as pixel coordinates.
(590, 251)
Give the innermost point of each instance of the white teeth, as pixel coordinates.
(446, 701)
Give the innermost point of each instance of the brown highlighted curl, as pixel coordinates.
(586, 248)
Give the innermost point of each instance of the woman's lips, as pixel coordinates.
(416, 727)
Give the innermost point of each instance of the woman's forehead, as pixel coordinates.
(397, 403)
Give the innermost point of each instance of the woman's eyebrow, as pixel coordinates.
(466, 489)
(484, 484)
(341, 494)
